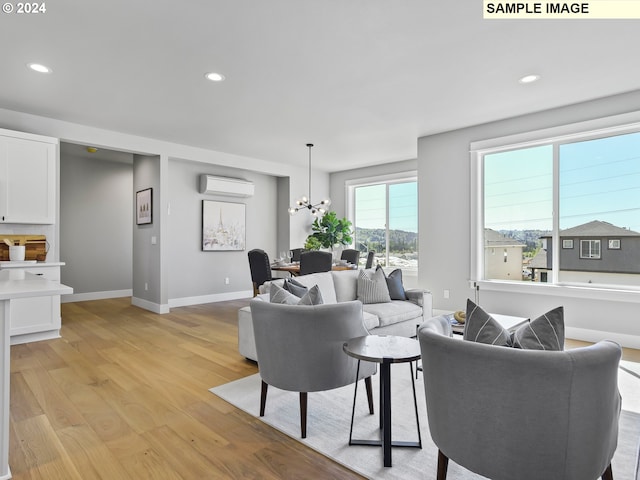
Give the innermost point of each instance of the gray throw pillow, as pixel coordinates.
(312, 297)
(277, 294)
(372, 286)
(295, 287)
(481, 327)
(544, 333)
(394, 284)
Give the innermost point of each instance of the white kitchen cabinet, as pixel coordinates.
(27, 178)
(34, 318)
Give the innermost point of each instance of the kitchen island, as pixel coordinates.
(16, 285)
(35, 318)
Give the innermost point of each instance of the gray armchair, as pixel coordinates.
(508, 413)
(299, 348)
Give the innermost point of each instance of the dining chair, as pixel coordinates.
(295, 254)
(370, 257)
(351, 255)
(260, 268)
(315, 261)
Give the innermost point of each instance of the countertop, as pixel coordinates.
(28, 263)
(20, 284)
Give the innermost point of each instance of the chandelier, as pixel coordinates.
(305, 202)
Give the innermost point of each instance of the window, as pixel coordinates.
(536, 196)
(589, 248)
(384, 213)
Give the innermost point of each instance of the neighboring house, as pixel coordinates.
(595, 251)
(538, 265)
(502, 256)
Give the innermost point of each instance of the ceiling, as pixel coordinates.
(102, 154)
(362, 79)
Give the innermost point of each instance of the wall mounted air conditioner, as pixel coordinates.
(233, 187)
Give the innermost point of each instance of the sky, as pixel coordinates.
(403, 206)
(599, 180)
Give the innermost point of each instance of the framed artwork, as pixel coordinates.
(144, 207)
(223, 226)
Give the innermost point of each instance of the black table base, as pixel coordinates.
(385, 414)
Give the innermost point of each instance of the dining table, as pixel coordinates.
(294, 268)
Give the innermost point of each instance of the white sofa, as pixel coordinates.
(398, 317)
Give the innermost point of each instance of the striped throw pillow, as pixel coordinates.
(372, 286)
(481, 327)
(544, 333)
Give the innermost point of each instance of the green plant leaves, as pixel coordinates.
(328, 231)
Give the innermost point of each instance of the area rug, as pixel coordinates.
(329, 417)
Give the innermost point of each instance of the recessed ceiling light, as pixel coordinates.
(529, 78)
(39, 68)
(214, 77)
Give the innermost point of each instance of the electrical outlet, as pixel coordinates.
(226, 281)
(146, 286)
(446, 294)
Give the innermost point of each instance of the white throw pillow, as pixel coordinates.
(372, 286)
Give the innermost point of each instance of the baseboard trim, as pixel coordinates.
(212, 298)
(587, 335)
(34, 337)
(147, 305)
(83, 297)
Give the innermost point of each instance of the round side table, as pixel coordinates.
(385, 350)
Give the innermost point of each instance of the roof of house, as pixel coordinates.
(539, 260)
(598, 228)
(495, 239)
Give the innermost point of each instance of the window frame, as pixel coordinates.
(389, 179)
(594, 253)
(587, 130)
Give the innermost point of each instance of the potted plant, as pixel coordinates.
(329, 231)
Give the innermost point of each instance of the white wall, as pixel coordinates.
(338, 180)
(149, 280)
(444, 219)
(96, 216)
(149, 267)
(196, 276)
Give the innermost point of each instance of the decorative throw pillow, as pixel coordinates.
(544, 333)
(312, 297)
(394, 284)
(277, 294)
(481, 327)
(280, 295)
(295, 287)
(372, 286)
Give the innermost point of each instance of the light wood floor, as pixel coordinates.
(124, 395)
